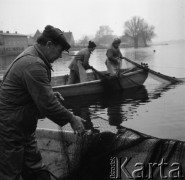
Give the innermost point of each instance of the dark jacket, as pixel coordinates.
(25, 93)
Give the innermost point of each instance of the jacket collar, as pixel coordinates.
(43, 57)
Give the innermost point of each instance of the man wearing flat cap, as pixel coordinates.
(80, 64)
(25, 95)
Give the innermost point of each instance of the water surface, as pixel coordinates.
(155, 109)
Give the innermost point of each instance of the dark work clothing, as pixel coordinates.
(113, 61)
(22, 160)
(74, 77)
(81, 59)
(82, 56)
(113, 54)
(25, 94)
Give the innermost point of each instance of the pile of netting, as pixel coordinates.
(128, 155)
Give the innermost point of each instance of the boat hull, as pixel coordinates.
(125, 81)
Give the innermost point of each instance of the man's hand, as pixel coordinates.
(77, 125)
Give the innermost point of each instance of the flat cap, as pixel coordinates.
(57, 36)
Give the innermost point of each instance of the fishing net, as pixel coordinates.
(153, 74)
(127, 154)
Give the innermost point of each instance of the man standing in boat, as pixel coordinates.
(80, 64)
(114, 57)
(25, 95)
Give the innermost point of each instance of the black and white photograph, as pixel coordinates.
(92, 89)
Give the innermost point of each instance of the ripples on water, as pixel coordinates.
(156, 109)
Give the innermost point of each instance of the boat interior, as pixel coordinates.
(91, 76)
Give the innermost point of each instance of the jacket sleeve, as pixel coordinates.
(36, 81)
(86, 60)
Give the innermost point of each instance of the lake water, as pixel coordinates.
(156, 109)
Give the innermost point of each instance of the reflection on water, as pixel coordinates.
(111, 106)
(110, 112)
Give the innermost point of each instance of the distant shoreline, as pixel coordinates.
(149, 45)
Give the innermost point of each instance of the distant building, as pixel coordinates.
(68, 36)
(36, 35)
(32, 39)
(12, 43)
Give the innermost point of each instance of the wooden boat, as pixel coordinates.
(95, 84)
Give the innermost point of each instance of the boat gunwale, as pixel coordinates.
(95, 81)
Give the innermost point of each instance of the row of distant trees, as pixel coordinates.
(136, 28)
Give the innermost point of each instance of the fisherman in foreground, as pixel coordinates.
(26, 95)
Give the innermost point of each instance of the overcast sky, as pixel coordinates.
(83, 17)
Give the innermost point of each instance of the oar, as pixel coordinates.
(162, 76)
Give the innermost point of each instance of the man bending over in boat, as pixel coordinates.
(80, 64)
(114, 58)
(25, 95)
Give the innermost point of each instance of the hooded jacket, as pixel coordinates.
(112, 55)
